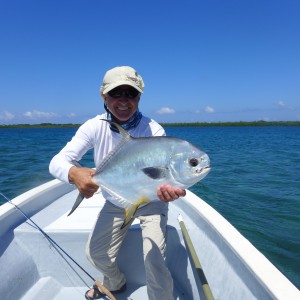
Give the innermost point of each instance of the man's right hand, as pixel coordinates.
(83, 179)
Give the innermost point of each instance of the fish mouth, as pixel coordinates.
(204, 170)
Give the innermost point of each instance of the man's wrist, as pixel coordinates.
(71, 176)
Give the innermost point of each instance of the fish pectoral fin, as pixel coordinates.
(130, 212)
(155, 172)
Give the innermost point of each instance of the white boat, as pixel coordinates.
(31, 268)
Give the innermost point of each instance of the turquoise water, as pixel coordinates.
(254, 182)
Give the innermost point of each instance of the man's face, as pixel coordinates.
(122, 102)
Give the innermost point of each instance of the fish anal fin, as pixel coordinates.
(130, 212)
(155, 172)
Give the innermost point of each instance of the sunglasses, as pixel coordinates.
(128, 93)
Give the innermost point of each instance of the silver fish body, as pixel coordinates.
(141, 165)
(134, 170)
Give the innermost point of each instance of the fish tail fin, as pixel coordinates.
(79, 199)
(130, 212)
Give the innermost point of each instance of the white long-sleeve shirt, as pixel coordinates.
(97, 134)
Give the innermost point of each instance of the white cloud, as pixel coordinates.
(209, 109)
(281, 104)
(35, 114)
(166, 110)
(7, 116)
(71, 115)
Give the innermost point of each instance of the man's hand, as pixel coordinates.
(166, 193)
(82, 178)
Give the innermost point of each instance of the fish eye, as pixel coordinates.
(193, 162)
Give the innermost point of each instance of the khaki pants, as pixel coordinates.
(106, 238)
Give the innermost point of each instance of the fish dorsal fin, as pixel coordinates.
(155, 172)
(122, 131)
(126, 137)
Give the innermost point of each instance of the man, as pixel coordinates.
(121, 91)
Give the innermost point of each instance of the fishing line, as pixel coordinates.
(53, 243)
(58, 249)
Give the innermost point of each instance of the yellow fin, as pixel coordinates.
(130, 212)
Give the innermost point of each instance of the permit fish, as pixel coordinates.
(136, 167)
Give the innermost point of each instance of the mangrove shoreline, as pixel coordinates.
(192, 124)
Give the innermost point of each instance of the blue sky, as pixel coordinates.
(202, 61)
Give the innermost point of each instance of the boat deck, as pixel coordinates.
(30, 268)
(58, 281)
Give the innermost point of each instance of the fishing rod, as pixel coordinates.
(58, 248)
(195, 260)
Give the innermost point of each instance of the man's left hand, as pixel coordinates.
(167, 193)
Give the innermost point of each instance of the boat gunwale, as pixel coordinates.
(274, 281)
(30, 202)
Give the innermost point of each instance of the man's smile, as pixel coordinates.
(123, 108)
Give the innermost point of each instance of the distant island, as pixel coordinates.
(240, 123)
(192, 124)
